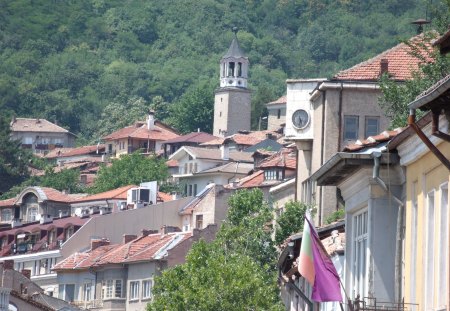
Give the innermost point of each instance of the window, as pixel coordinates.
(231, 69)
(69, 232)
(351, 127)
(239, 73)
(195, 167)
(87, 290)
(185, 168)
(443, 249)
(279, 114)
(6, 215)
(429, 251)
(66, 292)
(147, 289)
(360, 238)
(27, 140)
(372, 126)
(134, 290)
(195, 189)
(190, 190)
(32, 213)
(111, 289)
(199, 221)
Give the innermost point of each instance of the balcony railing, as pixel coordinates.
(371, 304)
(87, 305)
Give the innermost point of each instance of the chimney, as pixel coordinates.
(384, 66)
(225, 152)
(128, 238)
(8, 265)
(146, 232)
(168, 229)
(97, 243)
(151, 120)
(26, 273)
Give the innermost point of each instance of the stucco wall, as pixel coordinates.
(273, 122)
(114, 226)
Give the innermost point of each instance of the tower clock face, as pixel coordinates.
(300, 119)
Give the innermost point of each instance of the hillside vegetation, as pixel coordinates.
(69, 60)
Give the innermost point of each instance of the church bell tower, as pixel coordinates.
(232, 103)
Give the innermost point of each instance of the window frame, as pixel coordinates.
(366, 125)
(134, 291)
(147, 290)
(360, 254)
(346, 126)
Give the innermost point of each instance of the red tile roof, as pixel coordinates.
(139, 130)
(144, 248)
(194, 137)
(7, 202)
(253, 180)
(55, 195)
(35, 125)
(119, 193)
(70, 152)
(401, 63)
(164, 197)
(372, 140)
(172, 163)
(281, 100)
(284, 158)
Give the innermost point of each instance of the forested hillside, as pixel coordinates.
(69, 60)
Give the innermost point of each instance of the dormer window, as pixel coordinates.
(273, 174)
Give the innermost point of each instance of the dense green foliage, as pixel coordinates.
(291, 220)
(396, 97)
(335, 216)
(234, 272)
(13, 159)
(71, 61)
(130, 169)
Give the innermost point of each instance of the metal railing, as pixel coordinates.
(371, 304)
(91, 304)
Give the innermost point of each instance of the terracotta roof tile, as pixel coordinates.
(55, 195)
(372, 140)
(401, 64)
(7, 202)
(70, 152)
(281, 100)
(215, 154)
(284, 158)
(139, 130)
(172, 163)
(230, 167)
(194, 137)
(36, 125)
(119, 193)
(214, 142)
(253, 180)
(164, 197)
(140, 249)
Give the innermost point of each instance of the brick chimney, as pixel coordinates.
(97, 243)
(169, 229)
(128, 238)
(26, 273)
(384, 66)
(8, 264)
(151, 120)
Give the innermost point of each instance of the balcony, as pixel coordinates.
(88, 305)
(371, 304)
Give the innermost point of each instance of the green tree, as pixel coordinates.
(291, 220)
(396, 97)
(66, 179)
(130, 169)
(13, 159)
(228, 273)
(160, 107)
(194, 110)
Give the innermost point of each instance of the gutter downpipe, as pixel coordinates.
(425, 139)
(399, 245)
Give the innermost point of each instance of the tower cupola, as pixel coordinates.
(234, 66)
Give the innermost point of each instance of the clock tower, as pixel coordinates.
(232, 103)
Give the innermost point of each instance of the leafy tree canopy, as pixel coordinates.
(68, 61)
(130, 169)
(291, 220)
(13, 159)
(229, 273)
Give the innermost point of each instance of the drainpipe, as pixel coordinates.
(399, 245)
(424, 138)
(341, 89)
